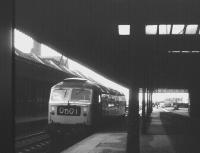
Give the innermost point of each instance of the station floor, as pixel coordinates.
(167, 132)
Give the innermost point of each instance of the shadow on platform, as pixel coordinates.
(169, 133)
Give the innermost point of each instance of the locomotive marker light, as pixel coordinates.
(84, 111)
(53, 110)
(99, 99)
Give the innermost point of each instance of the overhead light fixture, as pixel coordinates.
(177, 29)
(185, 51)
(22, 42)
(164, 29)
(151, 29)
(195, 51)
(174, 51)
(124, 29)
(191, 29)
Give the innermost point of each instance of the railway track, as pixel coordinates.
(41, 142)
(37, 142)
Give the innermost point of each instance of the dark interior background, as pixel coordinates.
(87, 32)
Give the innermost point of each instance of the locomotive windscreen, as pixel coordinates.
(81, 95)
(60, 95)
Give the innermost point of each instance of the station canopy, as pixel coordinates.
(43, 54)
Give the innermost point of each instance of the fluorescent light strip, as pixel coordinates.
(174, 51)
(195, 51)
(184, 52)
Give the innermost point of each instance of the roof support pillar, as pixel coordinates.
(148, 103)
(195, 115)
(133, 145)
(143, 111)
(6, 77)
(151, 102)
(195, 105)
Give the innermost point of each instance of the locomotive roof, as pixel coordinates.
(75, 82)
(75, 79)
(81, 82)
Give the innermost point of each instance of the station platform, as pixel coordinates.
(100, 143)
(167, 132)
(180, 111)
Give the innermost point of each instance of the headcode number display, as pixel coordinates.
(69, 110)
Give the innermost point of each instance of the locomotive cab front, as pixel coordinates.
(70, 106)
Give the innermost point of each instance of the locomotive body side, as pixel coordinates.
(113, 105)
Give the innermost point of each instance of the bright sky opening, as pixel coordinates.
(164, 29)
(47, 52)
(191, 29)
(124, 29)
(151, 29)
(177, 29)
(22, 42)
